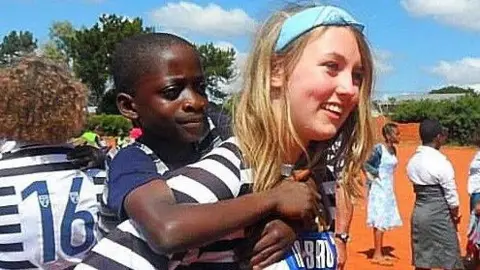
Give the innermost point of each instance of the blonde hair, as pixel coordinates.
(40, 102)
(265, 137)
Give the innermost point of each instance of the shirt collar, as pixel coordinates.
(8, 146)
(429, 150)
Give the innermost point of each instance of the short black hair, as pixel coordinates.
(429, 130)
(133, 57)
(388, 129)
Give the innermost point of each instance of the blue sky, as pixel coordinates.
(418, 44)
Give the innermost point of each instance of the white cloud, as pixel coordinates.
(241, 57)
(475, 86)
(463, 72)
(460, 13)
(381, 60)
(211, 20)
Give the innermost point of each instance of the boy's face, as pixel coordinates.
(171, 100)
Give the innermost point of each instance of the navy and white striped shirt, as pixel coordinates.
(220, 175)
(137, 164)
(48, 208)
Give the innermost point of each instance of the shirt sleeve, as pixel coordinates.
(373, 161)
(130, 169)
(216, 177)
(473, 183)
(447, 181)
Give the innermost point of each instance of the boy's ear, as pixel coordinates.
(126, 105)
(277, 78)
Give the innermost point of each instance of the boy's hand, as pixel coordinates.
(297, 200)
(276, 239)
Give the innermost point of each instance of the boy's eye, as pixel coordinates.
(202, 88)
(171, 92)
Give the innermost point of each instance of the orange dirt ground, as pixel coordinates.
(397, 241)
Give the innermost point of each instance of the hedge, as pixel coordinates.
(460, 116)
(110, 123)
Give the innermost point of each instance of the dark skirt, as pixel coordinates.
(434, 237)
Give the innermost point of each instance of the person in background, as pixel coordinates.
(473, 184)
(382, 211)
(48, 204)
(473, 236)
(93, 138)
(473, 187)
(435, 215)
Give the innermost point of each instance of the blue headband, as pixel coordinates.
(306, 20)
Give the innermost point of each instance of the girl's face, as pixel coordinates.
(394, 137)
(324, 86)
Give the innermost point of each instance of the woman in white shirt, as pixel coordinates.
(435, 215)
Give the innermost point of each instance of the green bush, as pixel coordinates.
(111, 124)
(460, 116)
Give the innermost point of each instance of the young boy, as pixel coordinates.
(48, 206)
(160, 85)
(167, 99)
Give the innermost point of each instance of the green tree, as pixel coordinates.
(50, 50)
(108, 103)
(59, 46)
(219, 68)
(461, 116)
(452, 90)
(92, 50)
(16, 44)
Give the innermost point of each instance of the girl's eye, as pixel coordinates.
(333, 66)
(357, 78)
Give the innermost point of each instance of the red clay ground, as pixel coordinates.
(397, 241)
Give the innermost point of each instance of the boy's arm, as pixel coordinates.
(172, 226)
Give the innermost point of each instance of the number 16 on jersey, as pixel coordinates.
(40, 189)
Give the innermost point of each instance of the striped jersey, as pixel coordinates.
(48, 208)
(220, 175)
(136, 164)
